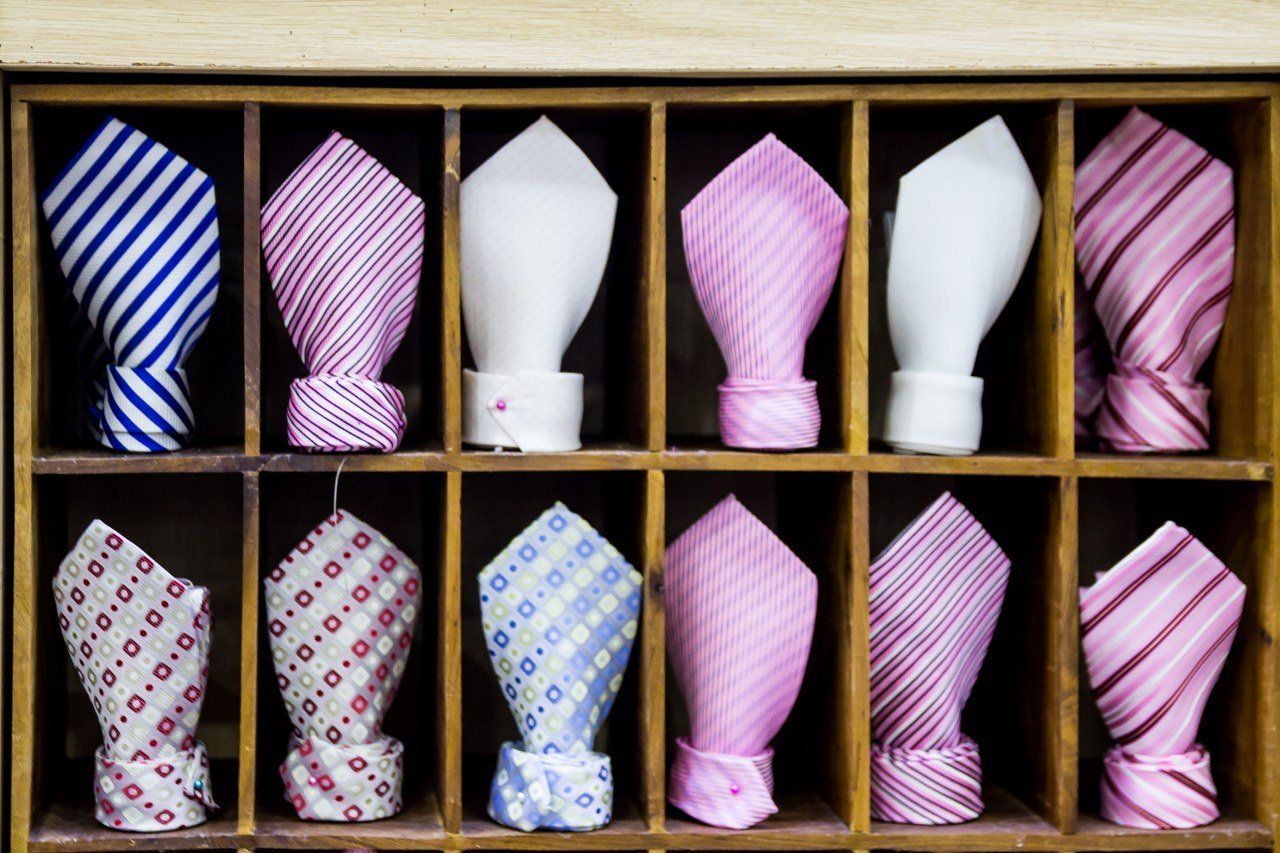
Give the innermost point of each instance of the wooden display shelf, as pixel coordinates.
(651, 462)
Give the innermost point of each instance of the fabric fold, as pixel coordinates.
(135, 229)
(343, 242)
(763, 243)
(936, 594)
(740, 615)
(559, 606)
(139, 639)
(341, 610)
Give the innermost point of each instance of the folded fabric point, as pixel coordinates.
(341, 610)
(935, 596)
(139, 639)
(1157, 628)
(965, 221)
(740, 615)
(135, 229)
(1155, 242)
(343, 241)
(536, 227)
(763, 243)
(559, 607)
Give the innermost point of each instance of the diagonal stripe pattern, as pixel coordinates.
(1092, 364)
(740, 615)
(1155, 241)
(1156, 629)
(763, 242)
(343, 242)
(936, 594)
(135, 229)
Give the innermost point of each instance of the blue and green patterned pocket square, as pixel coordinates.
(559, 608)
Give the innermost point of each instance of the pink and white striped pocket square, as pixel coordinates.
(763, 242)
(740, 615)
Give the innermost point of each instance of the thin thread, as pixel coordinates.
(335, 484)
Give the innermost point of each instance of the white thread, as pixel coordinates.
(335, 484)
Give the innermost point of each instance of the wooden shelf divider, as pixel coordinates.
(855, 281)
(854, 719)
(1047, 815)
(451, 284)
(252, 283)
(25, 771)
(449, 657)
(652, 325)
(1054, 314)
(653, 657)
(251, 592)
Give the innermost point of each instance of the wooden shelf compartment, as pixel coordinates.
(1231, 519)
(701, 141)
(495, 508)
(407, 508)
(818, 752)
(611, 348)
(1240, 372)
(210, 139)
(1017, 710)
(164, 516)
(652, 460)
(1021, 359)
(409, 143)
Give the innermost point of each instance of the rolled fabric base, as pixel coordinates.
(766, 414)
(1146, 411)
(143, 410)
(351, 783)
(560, 791)
(534, 411)
(338, 414)
(730, 791)
(926, 787)
(938, 413)
(172, 792)
(1158, 791)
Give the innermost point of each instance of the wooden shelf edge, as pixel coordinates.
(620, 458)
(637, 97)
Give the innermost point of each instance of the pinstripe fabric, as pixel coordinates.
(135, 229)
(936, 593)
(740, 613)
(342, 238)
(1092, 364)
(1156, 631)
(763, 242)
(93, 357)
(1155, 240)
